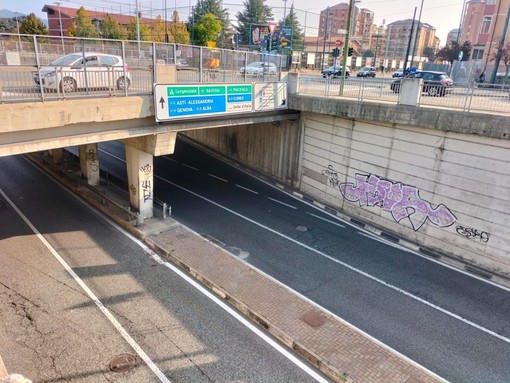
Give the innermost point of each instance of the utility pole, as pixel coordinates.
(346, 47)
(167, 40)
(60, 22)
(284, 11)
(409, 42)
(325, 34)
(418, 30)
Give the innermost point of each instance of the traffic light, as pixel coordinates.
(350, 51)
(335, 52)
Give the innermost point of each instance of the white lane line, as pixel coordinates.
(189, 166)
(361, 272)
(384, 241)
(218, 178)
(326, 220)
(282, 203)
(92, 296)
(251, 191)
(112, 155)
(156, 258)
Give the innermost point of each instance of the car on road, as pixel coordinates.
(259, 68)
(335, 71)
(434, 83)
(89, 70)
(398, 73)
(366, 71)
(181, 64)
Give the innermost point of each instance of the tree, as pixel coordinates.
(291, 20)
(207, 29)
(158, 30)
(502, 53)
(132, 30)
(33, 25)
(83, 26)
(255, 12)
(204, 8)
(177, 31)
(111, 28)
(429, 53)
(450, 53)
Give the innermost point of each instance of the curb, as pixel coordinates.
(444, 258)
(287, 339)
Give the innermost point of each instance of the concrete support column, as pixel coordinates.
(89, 163)
(140, 172)
(57, 155)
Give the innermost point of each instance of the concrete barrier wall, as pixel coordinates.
(445, 191)
(270, 148)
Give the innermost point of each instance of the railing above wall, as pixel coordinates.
(24, 59)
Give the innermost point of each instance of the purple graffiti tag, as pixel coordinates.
(354, 193)
(402, 201)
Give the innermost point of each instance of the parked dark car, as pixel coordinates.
(434, 83)
(335, 71)
(366, 71)
(398, 73)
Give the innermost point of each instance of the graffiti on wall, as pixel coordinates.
(471, 233)
(332, 176)
(402, 201)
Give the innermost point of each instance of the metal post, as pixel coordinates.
(325, 34)
(192, 25)
(60, 22)
(200, 74)
(409, 42)
(418, 30)
(167, 40)
(38, 65)
(502, 44)
(346, 47)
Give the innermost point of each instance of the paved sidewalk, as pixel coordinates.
(340, 351)
(334, 347)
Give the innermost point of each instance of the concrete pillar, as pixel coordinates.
(57, 155)
(293, 82)
(89, 163)
(410, 91)
(140, 172)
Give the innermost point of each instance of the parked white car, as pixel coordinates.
(259, 68)
(79, 71)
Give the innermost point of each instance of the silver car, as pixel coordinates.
(259, 68)
(84, 71)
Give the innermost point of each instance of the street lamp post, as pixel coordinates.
(60, 22)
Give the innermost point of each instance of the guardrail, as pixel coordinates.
(469, 98)
(28, 72)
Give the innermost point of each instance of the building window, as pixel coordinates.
(491, 2)
(486, 24)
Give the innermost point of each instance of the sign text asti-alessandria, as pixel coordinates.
(173, 102)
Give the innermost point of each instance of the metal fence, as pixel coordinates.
(470, 97)
(25, 60)
(28, 71)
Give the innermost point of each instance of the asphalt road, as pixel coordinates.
(454, 324)
(75, 291)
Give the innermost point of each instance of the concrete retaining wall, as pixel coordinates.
(443, 190)
(270, 148)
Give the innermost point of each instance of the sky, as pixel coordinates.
(444, 15)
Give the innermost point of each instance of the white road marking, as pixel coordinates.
(251, 191)
(282, 203)
(326, 220)
(218, 178)
(92, 296)
(189, 166)
(361, 272)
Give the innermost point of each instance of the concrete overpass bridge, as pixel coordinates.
(436, 176)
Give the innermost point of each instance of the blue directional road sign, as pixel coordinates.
(188, 101)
